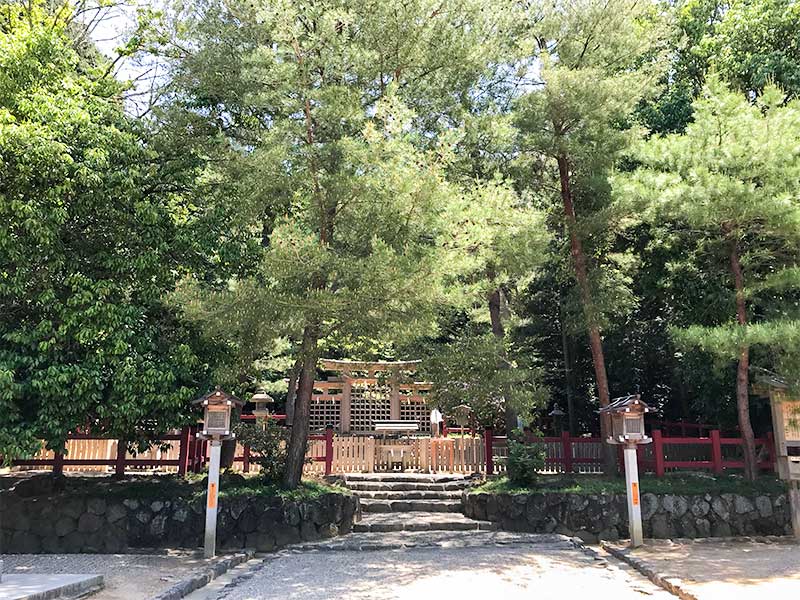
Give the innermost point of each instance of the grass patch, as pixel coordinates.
(685, 485)
(193, 487)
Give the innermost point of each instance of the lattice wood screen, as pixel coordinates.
(368, 403)
(324, 413)
(411, 410)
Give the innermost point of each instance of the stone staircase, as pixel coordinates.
(412, 502)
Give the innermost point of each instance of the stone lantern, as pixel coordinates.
(262, 400)
(627, 427)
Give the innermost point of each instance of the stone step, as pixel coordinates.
(388, 506)
(387, 486)
(420, 521)
(410, 495)
(407, 477)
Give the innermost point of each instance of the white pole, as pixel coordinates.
(634, 503)
(211, 501)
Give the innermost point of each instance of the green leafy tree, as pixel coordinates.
(329, 116)
(758, 43)
(89, 246)
(495, 241)
(733, 177)
(597, 62)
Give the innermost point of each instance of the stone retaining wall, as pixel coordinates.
(74, 523)
(593, 517)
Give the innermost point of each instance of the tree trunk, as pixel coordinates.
(228, 450)
(291, 392)
(298, 442)
(496, 317)
(595, 341)
(742, 373)
(567, 371)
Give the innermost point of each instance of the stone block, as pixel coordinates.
(65, 525)
(649, 505)
(721, 529)
(703, 527)
(661, 527)
(720, 508)
(610, 534)
(96, 506)
(157, 526)
(116, 512)
(742, 505)
(89, 523)
(586, 537)
(764, 506)
(25, 542)
(699, 506)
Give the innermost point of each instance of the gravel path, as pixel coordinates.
(553, 570)
(127, 576)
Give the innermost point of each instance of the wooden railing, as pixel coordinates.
(567, 454)
(329, 453)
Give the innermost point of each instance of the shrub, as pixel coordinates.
(524, 461)
(267, 446)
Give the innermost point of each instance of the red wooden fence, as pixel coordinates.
(656, 457)
(192, 454)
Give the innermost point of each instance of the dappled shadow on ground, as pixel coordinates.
(417, 574)
(729, 570)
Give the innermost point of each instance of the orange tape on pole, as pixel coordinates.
(635, 493)
(212, 495)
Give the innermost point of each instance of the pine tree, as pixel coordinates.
(733, 177)
(597, 63)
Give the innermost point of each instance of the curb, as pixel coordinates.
(672, 584)
(202, 578)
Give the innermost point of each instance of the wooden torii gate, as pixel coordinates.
(362, 392)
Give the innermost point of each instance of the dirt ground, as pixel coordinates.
(127, 576)
(740, 570)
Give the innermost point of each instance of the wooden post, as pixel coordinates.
(58, 462)
(246, 459)
(794, 506)
(183, 454)
(771, 450)
(328, 449)
(394, 398)
(345, 417)
(487, 436)
(658, 452)
(566, 451)
(716, 451)
(119, 464)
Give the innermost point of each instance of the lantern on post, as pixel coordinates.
(218, 407)
(262, 400)
(556, 415)
(627, 428)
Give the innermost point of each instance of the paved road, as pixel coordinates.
(550, 570)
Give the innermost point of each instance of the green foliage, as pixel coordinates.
(268, 445)
(524, 461)
(674, 483)
(733, 177)
(758, 43)
(89, 245)
(465, 371)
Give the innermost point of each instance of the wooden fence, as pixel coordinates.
(329, 453)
